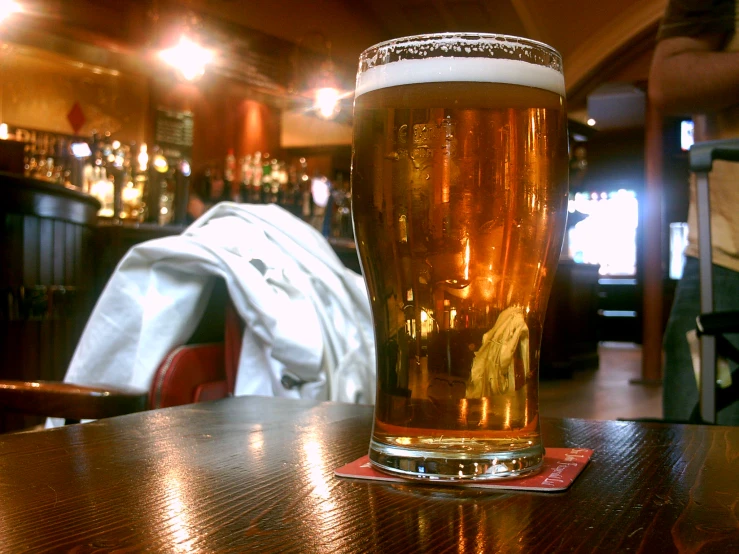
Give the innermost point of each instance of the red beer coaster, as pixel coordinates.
(560, 469)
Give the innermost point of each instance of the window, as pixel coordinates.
(607, 234)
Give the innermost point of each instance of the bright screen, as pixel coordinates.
(686, 134)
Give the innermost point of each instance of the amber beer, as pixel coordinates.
(459, 192)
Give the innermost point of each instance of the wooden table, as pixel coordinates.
(256, 474)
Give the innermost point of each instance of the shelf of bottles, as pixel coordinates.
(136, 183)
(131, 183)
(262, 179)
(46, 156)
(259, 179)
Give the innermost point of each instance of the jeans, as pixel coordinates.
(680, 391)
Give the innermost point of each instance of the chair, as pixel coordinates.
(711, 326)
(190, 373)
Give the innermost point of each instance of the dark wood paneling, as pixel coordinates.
(44, 248)
(46, 252)
(80, 246)
(12, 264)
(88, 276)
(71, 256)
(59, 250)
(30, 349)
(31, 251)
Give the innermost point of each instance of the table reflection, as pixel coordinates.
(473, 520)
(174, 516)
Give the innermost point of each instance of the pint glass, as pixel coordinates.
(459, 193)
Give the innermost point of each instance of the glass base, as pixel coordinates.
(451, 466)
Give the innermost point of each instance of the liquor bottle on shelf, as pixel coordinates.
(271, 183)
(31, 166)
(229, 169)
(53, 157)
(287, 199)
(100, 182)
(266, 195)
(103, 188)
(133, 207)
(63, 160)
(266, 180)
(146, 178)
(161, 181)
(88, 175)
(305, 190)
(256, 183)
(167, 201)
(182, 191)
(113, 160)
(27, 156)
(231, 190)
(279, 181)
(42, 168)
(263, 179)
(247, 173)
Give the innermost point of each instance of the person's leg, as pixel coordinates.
(680, 392)
(726, 298)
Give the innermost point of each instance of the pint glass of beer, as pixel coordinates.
(459, 193)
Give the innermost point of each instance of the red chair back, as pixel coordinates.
(199, 372)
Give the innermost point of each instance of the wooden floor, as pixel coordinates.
(603, 393)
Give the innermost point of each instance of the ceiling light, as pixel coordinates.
(591, 122)
(315, 78)
(326, 91)
(8, 8)
(327, 102)
(188, 58)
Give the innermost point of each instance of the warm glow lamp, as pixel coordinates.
(327, 94)
(327, 102)
(8, 8)
(318, 81)
(188, 57)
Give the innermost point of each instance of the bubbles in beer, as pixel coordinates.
(458, 192)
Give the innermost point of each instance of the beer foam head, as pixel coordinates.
(452, 57)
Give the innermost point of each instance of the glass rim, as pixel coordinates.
(462, 35)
